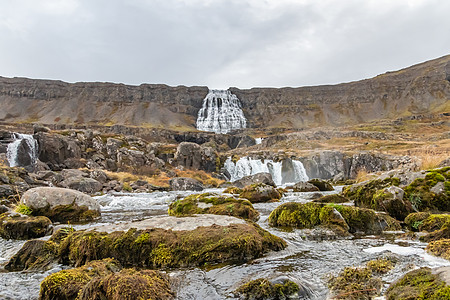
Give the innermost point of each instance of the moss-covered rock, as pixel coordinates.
(341, 217)
(442, 233)
(263, 289)
(322, 185)
(355, 284)
(232, 190)
(210, 203)
(67, 284)
(440, 248)
(34, 255)
(434, 222)
(260, 192)
(128, 284)
(419, 284)
(414, 221)
(424, 196)
(166, 248)
(362, 193)
(335, 198)
(22, 227)
(303, 186)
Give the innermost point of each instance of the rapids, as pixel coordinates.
(307, 260)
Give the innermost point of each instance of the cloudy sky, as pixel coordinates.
(219, 43)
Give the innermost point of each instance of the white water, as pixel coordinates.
(13, 148)
(258, 141)
(221, 112)
(246, 166)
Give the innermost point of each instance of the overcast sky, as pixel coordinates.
(219, 43)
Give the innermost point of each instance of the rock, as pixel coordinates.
(420, 283)
(303, 186)
(265, 178)
(194, 156)
(6, 191)
(34, 255)
(391, 201)
(335, 198)
(260, 192)
(185, 184)
(20, 227)
(61, 205)
(82, 184)
(69, 173)
(191, 241)
(3, 209)
(40, 128)
(55, 149)
(106, 279)
(264, 289)
(322, 185)
(4, 179)
(440, 248)
(100, 176)
(210, 203)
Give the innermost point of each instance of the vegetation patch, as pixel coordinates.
(440, 248)
(19, 227)
(210, 203)
(418, 284)
(262, 289)
(34, 255)
(335, 198)
(355, 284)
(68, 213)
(260, 192)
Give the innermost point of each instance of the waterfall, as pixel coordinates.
(221, 112)
(258, 141)
(22, 151)
(246, 166)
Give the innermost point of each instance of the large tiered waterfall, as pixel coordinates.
(286, 171)
(221, 112)
(22, 151)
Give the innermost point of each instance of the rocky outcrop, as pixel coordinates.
(61, 204)
(194, 156)
(265, 178)
(185, 184)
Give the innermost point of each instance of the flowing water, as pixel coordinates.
(306, 260)
(221, 112)
(13, 149)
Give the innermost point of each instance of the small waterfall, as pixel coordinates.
(258, 141)
(246, 166)
(22, 151)
(221, 112)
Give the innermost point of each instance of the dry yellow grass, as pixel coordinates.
(431, 158)
(201, 176)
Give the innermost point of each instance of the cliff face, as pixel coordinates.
(423, 88)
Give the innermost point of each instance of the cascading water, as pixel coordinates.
(246, 166)
(221, 112)
(22, 143)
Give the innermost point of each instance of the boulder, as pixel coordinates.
(264, 289)
(170, 242)
(106, 279)
(82, 184)
(440, 248)
(185, 184)
(265, 178)
(334, 198)
(322, 185)
(391, 201)
(260, 192)
(34, 255)
(55, 149)
(6, 191)
(210, 203)
(61, 205)
(21, 227)
(303, 186)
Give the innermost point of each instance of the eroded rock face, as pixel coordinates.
(194, 156)
(60, 204)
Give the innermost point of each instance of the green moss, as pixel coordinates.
(335, 198)
(68, 213)
(165, 248)
(380, 266)
(260, 192)
(18, 227)
(126, 187)
(363, 194)
(434, 222)
(322, 185)
(293, 214)
(232, 190)
(418, 284)
(355, 283)
(261, 289)
(23, 209)
(415, 220)
(440, 248)
(215, 204)
(34, 255)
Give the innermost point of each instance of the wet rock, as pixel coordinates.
(265, 178)
(260, 192)
(185, 184)
(192, 241)
(303, 186)
(61, 205)
(210, 203)
(34, 255)
(391, 200)
(419, 284)
(21, 227)
(322, 185)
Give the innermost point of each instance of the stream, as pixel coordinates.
(307, 260)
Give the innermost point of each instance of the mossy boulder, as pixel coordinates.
(355, 284)
(440, 248)
(210, 203)
(106, 279)
(422, 283)
(34, 255)
(22, 227)
(260, 192)
(415, 220)
(424, 194)
(335, 198)
(263, 289)
(437, 225)
(156, 247)
(61, 205)
(232, 190)
(321, 184)
(353, 219)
